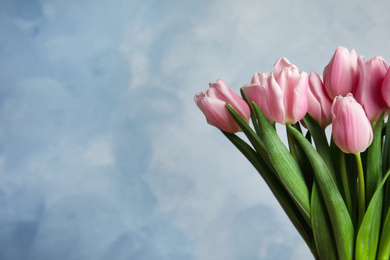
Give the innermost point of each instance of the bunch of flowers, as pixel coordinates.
(334, 192)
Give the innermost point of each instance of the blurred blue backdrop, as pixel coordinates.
(103, 153)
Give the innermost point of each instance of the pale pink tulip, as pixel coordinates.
(255, 92)
(341, 75)
(369, 89)
(213, 104)
(286, 93)
(352, 130)
(386, 88)
(319, 103)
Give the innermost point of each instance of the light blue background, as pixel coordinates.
(104, 154)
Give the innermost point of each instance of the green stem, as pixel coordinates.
(291, 144)
(362, 195)
(344, 178)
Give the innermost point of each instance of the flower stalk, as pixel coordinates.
(362, 193)
(344, 178)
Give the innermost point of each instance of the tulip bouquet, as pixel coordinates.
(333, 188)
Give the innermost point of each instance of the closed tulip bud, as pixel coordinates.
(286, 93)
(386, 88)
(213, 105)
(352, 130)
(369, 89)
(255, 92)
(319, 103)
(341, 75)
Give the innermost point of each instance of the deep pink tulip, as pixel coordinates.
(386, 88)
(213, 105)
(319, 103)
(256, 92)
(287, 93)
(352, 130)
(369, 89)
(341, 75)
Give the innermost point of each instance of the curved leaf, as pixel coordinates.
(322, 229)
(373, 174)
(320, 141)
(341, 222)
(277, 189)
(253, 114)
(255, 140)
(368, 235)
(384, 244)
(285, 165)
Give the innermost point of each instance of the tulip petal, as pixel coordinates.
(340, 75)
(386, 88)
(280, 64)
(212, 104)
(351, 129)
(275, 100)
(368, 92)
(223, 92)
(257, 93)
(319, 103)
(217, 115)
(299, 103)
(260, 78)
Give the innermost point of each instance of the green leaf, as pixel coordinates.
(320, 141)
(255, 140)
(386, 149)
(253, 115)
(285, 165)
(384, 244)
(276, 187)
(386, 166)
(322, 228)
(341, 222)
(373, 174)
(368, 235)
(347, 162)
(302, 161)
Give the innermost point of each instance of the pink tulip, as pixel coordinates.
(213, 105)
(256, 92)
(341, 75)
(286, 93)
(369, 89)
(386, 88)
(352, 130)
(319, 103)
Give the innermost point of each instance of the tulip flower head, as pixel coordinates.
(286, 93)
(341, 75)
(256, 92)
(352, 130)
(213, 105)
(386, 88)
(319, 103)
(369, 89)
